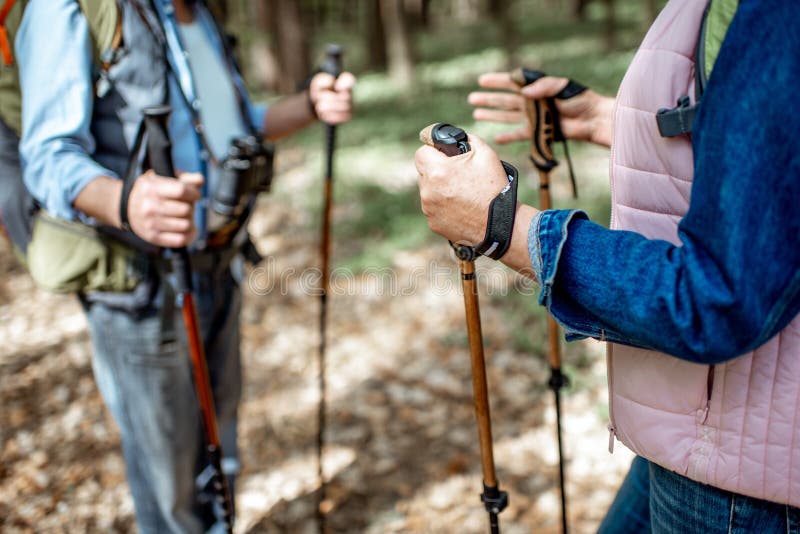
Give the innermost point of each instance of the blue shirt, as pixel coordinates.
(735, 280)
(59, 91)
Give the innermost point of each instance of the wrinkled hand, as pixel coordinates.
(455, 192)
(161, 210)
(332, 97)
(585, 117)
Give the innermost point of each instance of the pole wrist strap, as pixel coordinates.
(502, 212)
(129, 178)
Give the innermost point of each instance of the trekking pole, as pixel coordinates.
(332, 65)
(159, 153)
(453, 141)
(546, 128)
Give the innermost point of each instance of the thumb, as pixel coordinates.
(478, 144)
(426, 155)
(548, 86)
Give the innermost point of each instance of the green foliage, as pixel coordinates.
(375, 224)
(376, 217)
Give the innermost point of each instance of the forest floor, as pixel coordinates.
(402, 452)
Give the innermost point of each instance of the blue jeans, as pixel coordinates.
(630, 511)
(142, 368)
(654, 499)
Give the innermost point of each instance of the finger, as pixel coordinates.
(575, 128)
(334, 118)
(521, 134)
(194, 179)
(345, 82)
(175, 239)
(504, 101)
(497, 80)
(481, 114)
(176, 225)
(170, 189)
(322, 81)
(333, 106)
(175, 208)
(548, 86)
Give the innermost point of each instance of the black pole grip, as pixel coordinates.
(159, 154)
(333, 60)
(450, 140)
(159, 146)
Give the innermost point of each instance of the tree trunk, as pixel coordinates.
(376, 38)
(496, 8)
(398, 45)
(579, 10)
(289, 42)
(611, 26)
(417, 12)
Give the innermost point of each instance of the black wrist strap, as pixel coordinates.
(129, 179)
(502, 212)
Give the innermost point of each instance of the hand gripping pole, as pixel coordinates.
(452, 141)
(159, 154)
(332, 65)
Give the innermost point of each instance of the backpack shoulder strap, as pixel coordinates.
(716, 19)
(105, 26)
(5, 39)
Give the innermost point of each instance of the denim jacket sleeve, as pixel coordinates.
(735, 280)
(58, 89)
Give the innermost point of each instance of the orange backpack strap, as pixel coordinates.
(5, 45)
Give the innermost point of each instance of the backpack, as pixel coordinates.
(716, 19)
(16, 205)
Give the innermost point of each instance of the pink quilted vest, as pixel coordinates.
(733, 425)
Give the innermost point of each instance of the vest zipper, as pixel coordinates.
(709, 390)
(612, 429)
(612, 433)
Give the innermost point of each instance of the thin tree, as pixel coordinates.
(398, 44)
(289, 42)
(611, 26)
(375, 35)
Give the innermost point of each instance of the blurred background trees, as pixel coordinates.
(400, 422)
(278, 35)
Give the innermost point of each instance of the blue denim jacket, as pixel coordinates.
(735, 280)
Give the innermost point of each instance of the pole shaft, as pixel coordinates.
(561, 478)
(324, 252)
(479, 386)
(554, 359)
(159, 152)
(200, 369)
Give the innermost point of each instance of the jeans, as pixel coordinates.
(654, 499)
(142, 368)
(630, 511)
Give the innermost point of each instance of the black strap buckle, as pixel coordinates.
(678, 120)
